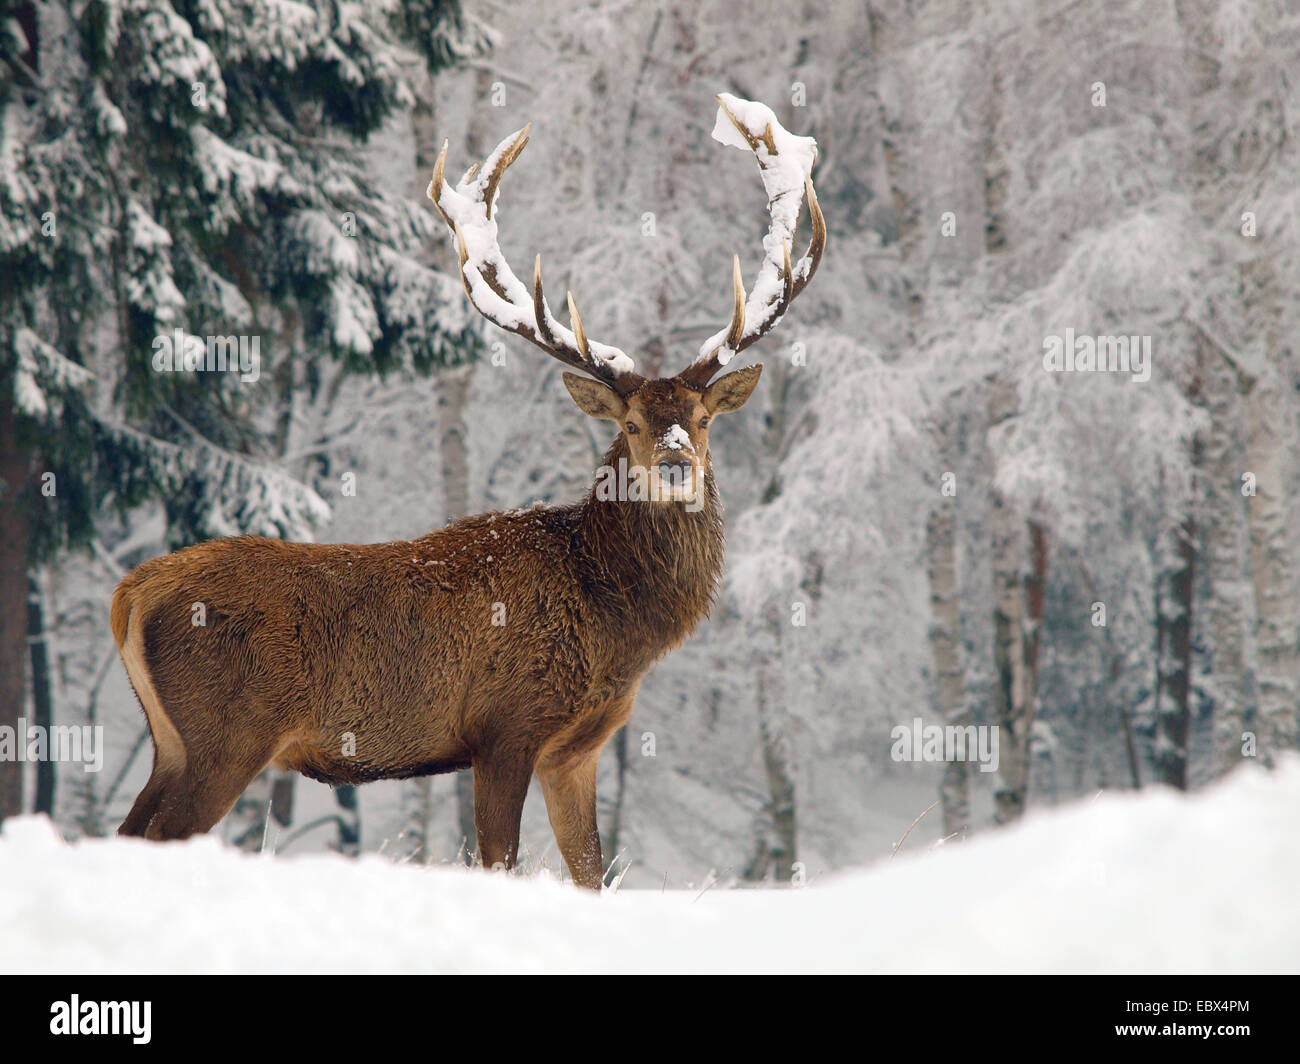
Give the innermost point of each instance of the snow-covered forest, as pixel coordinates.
(1021, 457)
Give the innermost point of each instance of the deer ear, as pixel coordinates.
(595, 399)
(730, 392)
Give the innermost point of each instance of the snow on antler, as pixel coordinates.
(785, 164)
(469, 209)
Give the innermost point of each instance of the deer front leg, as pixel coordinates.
(570, 794)
(500, 787)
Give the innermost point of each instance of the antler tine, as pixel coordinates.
(737, 329)
(540, 313)
(462, 253)
(507, 157)
(492, 287)
(578, 330)
(817, 244)
(781, 157)
(439, 170)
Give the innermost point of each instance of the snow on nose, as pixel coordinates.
(676, 439)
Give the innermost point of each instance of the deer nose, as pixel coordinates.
(676, 471)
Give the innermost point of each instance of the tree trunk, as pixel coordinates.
(1269, 445)
(1035, 602)
(1227, 602)
(1012, 694)
(16, 463)
(268, 799)
(1226, 605)
(348, 842)
(776, 852)
(42, 698)
(1130, 742)
(1011, 708)
(1175, 619)
(1173, 721)
(955, 180)
(775, 848)
(945, 646)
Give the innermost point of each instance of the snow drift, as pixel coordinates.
(1150, 882)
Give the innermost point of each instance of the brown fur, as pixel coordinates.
(394, 645)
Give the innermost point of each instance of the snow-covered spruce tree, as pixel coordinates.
(189, 170)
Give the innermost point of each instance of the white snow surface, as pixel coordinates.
(1149, 882)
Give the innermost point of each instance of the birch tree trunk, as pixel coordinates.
(956, 184)
(1269, 446)
(776, 765)
(945, 645)
(1012, 689)
(1018, 596)
(776, 846)
(775, 852)
(1224, 536)
(1227, 603)
(1270, 442)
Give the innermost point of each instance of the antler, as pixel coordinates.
(493, 288)
(785, 162)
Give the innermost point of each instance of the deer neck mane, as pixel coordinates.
(653, 566)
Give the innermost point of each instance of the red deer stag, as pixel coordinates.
(510, 643)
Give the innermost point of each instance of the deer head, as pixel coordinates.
(664, 421)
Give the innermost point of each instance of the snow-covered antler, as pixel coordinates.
(497, 294)
(785, 162)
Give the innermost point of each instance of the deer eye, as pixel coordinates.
(704, 421)
(632, 430)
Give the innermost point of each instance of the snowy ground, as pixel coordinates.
(1126, 883)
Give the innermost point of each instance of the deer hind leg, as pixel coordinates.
(146, 805)
(570, 792)
(205, 792)
(500, 787)
(169, 756)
